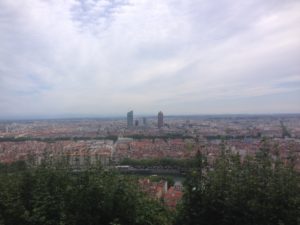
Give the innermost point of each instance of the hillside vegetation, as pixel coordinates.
(260, 190)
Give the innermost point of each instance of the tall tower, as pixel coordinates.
(130, 119)
(160, 119)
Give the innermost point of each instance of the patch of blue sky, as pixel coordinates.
(90, 12)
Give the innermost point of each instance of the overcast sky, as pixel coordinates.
(99, 58)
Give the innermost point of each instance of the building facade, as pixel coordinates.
(130, 119)
(160, 119)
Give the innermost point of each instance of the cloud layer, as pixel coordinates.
(183, 57)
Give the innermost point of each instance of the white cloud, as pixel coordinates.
(102, 57)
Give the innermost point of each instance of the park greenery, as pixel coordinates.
(260, 190)
(161, 162)
(56, 195)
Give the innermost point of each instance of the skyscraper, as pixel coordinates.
(160, 119)
(130, 119)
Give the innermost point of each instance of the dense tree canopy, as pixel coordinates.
(46, 196)
(259, 190)
(163, 162)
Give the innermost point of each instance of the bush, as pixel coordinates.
(42, 196)
(261, 190)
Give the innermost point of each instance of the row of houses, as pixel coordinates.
(169, 196)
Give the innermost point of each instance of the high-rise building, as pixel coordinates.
(160, 119)
(130, 119)
(136, 123)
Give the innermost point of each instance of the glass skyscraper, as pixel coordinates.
(130, 119)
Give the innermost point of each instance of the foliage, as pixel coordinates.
(164, 162)
(260, 190)
(56, 195)
(158, 178)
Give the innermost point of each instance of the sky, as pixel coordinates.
(106, 57)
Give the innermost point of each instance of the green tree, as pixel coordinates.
(54, 194)
(260, 190)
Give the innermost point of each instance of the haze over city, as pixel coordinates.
(103, 58)
(161, 112)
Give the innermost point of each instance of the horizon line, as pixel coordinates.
(78, 117)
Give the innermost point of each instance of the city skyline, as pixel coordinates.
(122, 116)
(99, 58)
